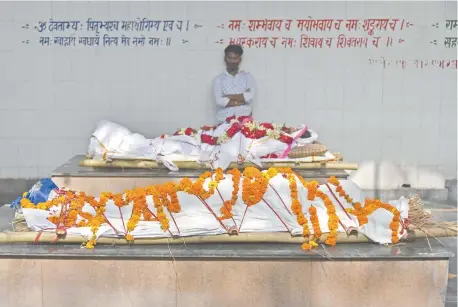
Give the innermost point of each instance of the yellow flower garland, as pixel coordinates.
(370, 206)
(333, 221)
(296, 206)
(254, 186)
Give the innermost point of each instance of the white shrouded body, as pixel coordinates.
(272, 214)
(111, 141)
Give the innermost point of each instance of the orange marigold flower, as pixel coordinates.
(306, 246)
(301, 220)
(394, 226)
(90, 244)
(334, 181)
(362, 220)
(54, 219)
(330, 241)
(25, 203)
(254, 186)
(331, 210)
(305, 230)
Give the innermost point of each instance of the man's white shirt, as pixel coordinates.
(226, 84)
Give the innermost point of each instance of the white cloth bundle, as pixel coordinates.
(111, 141)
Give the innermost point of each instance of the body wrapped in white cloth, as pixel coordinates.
(231, 141)
(183, 210)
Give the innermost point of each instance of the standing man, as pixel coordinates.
(234, 88)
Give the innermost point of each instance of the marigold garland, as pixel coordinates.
(254, 187)
(333, 221)
(236, 174)
(296, 207)
(161, 216)
(370, 206)
(197, 187)
(226, 208)
(315, 223)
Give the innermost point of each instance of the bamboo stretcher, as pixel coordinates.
(336, 164)
(278, 237)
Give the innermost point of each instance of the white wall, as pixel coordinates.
(51, 97)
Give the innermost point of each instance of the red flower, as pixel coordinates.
(286, 139)
(189, 131)
(270, 156)
(246, 131)
(242, 118)
(233, 130)
(229, 119)
(284, 129)
(267, 125)
(207, 139)
(259, 133)
(207, 128)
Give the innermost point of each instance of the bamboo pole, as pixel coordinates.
(147, 164)
(47, 237)
(338, 157)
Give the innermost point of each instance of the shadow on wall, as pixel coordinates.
(387, 175)
(10, 189)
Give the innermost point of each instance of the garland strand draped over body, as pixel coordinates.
(254, 186)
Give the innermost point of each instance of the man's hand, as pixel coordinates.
(236, 97)
(234, 103)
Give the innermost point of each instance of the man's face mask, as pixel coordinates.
(232, 61)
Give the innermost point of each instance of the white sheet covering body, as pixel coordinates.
(273, 214)
(111, 141)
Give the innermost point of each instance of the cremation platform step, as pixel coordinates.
(94, 180)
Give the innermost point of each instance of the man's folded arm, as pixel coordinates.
(249, 93)
(218, 93)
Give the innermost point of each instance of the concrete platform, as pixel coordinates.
(108, 282)
(408, 274)
(222, 274)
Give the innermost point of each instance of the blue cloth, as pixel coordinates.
(38, 193)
